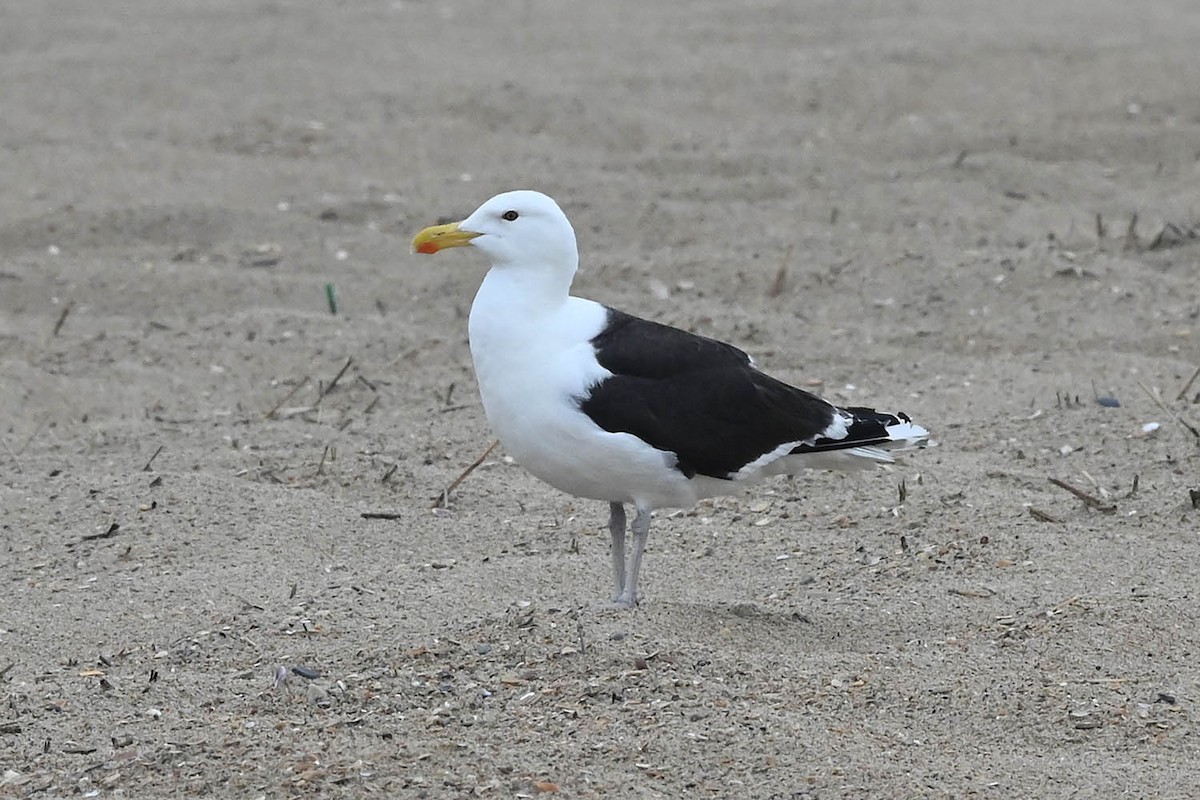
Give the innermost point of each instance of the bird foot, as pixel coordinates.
(624, 601)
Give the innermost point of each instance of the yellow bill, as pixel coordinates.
(439, 237)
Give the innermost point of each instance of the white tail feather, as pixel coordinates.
(905, 434)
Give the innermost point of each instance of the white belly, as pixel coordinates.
(572, 454)
(531, 372)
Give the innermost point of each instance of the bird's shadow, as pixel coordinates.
(741, 624)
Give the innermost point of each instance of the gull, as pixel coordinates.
(604, 405)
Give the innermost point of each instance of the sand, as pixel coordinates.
(983, 215)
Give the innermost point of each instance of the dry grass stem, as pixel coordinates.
(1088, 499)
(779, 285)
(329, 387)
(62, 318)
(1187, 386)
(443, 497)
(1042, 516)
(1153, 395)
(275, 408)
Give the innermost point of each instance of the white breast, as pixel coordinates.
(533, 362)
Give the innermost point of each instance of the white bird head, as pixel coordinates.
(521, 229)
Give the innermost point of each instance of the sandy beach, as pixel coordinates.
(229, 396)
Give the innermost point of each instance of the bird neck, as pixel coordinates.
(524, 291)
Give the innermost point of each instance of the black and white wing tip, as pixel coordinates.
(867, 434)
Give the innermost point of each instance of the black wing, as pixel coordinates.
(698, 398)
(637, 347)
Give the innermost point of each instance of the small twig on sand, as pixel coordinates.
(63, 317)
(1133, 490)
(966, 592)
(324, 456)
(107, 534)
(1042, 516)
(447, 405)
(329, 387)
(779, 285)
(1088, 499)
(1095, 484)
(1061, 607)
(381, 515)
(443, 497)
(1153, 395)
(275, 408)
(151, 461)
(1183, 392)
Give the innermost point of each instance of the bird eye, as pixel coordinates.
(509, 215)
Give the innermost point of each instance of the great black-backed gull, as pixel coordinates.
(607, 406)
